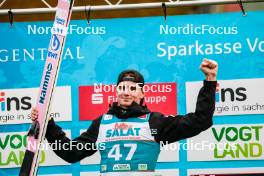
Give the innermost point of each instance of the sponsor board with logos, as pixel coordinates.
(164, 53)
(250, 171)
(13, 147)
(16, 105)
(233, 97)
(160, 172)
(94, 100)
(228, 142)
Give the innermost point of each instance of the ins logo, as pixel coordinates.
(55, 45)
(9, 103)
(224, 94)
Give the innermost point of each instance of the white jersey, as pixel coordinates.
(130, 149)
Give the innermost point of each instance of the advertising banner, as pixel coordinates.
(16, 105)
(233, 97)
(168, 54)
(228, 142)
(13, 147)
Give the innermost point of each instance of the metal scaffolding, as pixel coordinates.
(122, 6)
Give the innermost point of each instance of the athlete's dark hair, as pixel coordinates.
(131, 75)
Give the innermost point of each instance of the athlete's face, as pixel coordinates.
(127, 92)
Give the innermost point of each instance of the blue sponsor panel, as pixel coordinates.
(162, 52)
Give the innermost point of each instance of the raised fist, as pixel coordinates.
(209, 68)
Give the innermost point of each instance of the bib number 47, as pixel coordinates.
(116, 154)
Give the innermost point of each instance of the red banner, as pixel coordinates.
(95, 100)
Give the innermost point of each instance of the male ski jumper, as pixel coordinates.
(132, 135)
